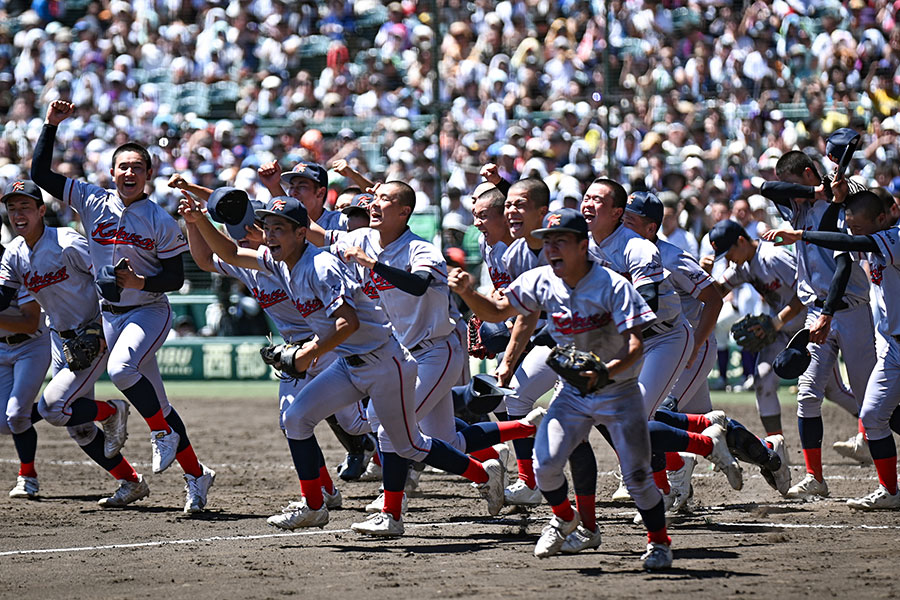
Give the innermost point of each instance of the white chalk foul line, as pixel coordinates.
(218, 538)
(803, 525)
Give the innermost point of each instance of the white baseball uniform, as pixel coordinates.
(493, 258)
(668, 340)
(591, 316)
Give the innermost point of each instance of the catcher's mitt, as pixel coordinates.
(754, 332)
(571, 363)
(476, 347)
(281, 357)
(82, 350)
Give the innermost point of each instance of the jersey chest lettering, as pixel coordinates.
(380, 282)
(38, 281)
(500, 279)
(309, 307)
(876, 273)
(370, 290)
(575, 323)
(106, 234)
(267, 299)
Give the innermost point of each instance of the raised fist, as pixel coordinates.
(59, 111)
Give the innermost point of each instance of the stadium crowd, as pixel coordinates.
(703, 95)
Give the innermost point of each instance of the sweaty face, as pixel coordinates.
(130, 174)
(386, 209)
(565, 252)
(597, 206)
(522, 216)
(281, 237)
(25, 216)
(639, 225)
(489, 221)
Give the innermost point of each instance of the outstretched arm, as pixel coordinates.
(42, 172)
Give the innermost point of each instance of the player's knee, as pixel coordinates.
(83, 434)
(123, 375)
(52, 412)
(873, 419)
(16, 424)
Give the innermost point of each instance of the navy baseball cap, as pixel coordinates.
(286, 207)
(724, 235)
(795, 358)
(359, 203)
(647, 205)
(482, 395)
(310, 170)
(231, 207)
(839, 142)
(563, 220)
(23, 187)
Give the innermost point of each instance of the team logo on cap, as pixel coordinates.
(631, 198)
(18, 186)
(300, 168)
(278, 205)
(553, 220)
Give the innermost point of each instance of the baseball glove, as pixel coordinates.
(571, 363)
(476, 347)
(746, 332)
(82, 350)
(281, 357)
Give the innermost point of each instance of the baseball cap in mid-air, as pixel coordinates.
(795, 358)
(647, 205)
(360, 203)
(309, 170)
(286, 207)
(482, 395)
(22, 188)
(231, 207)
(724, 235)
(561, 221)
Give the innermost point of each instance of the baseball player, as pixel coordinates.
(135, 249)
(772, 272)
(700, 302)
(274, 300)
(596, 310)
(496, 238)
(308, 183)
(838, 319)
(52, 265)
(371, 361)
(875, 241)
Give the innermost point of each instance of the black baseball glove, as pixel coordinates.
(281, 357)
(571, 364)
(82, 350)
(754, 332)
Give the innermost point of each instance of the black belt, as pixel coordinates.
(15, 339)
(354, 360)
(68, 334)
(118, 310)
(649, 333)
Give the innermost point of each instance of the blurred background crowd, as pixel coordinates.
(694, 99)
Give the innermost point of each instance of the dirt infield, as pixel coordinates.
(737, 543)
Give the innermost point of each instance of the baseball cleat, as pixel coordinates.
(492, 489)
(717, 417)
(377, 505)
(554, 535)
(880, 499)
(503, 451)
(534, 417)
(657, 557)
(379, 524)
(372, 472)
(581, 539)
(781, 477)
(680, 481)
(299, 516)
(856, 448)
(334, 500)
(519, 494)
(721, 457)
(165, 447)
(809, 488)
(115, 429)
(128, 492)
(196, 489)
(355, 465)
(26, 487)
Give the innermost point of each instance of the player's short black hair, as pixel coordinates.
(405, 194)
(536, 190)
(865, 203)
(887, 198)
(133, 147)
(794, 163)
(495, 199)
(620, 196)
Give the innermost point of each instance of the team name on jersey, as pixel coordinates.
(575, 323)
(370, 290)
(500, 279)
(309, 307)
(106, 234)
(381, 283)
(876, 274)
(266, 299)
(38, 281)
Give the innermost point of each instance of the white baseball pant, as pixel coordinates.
(22, 370)
(882, 394)
(665, 355)
(692, 387)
